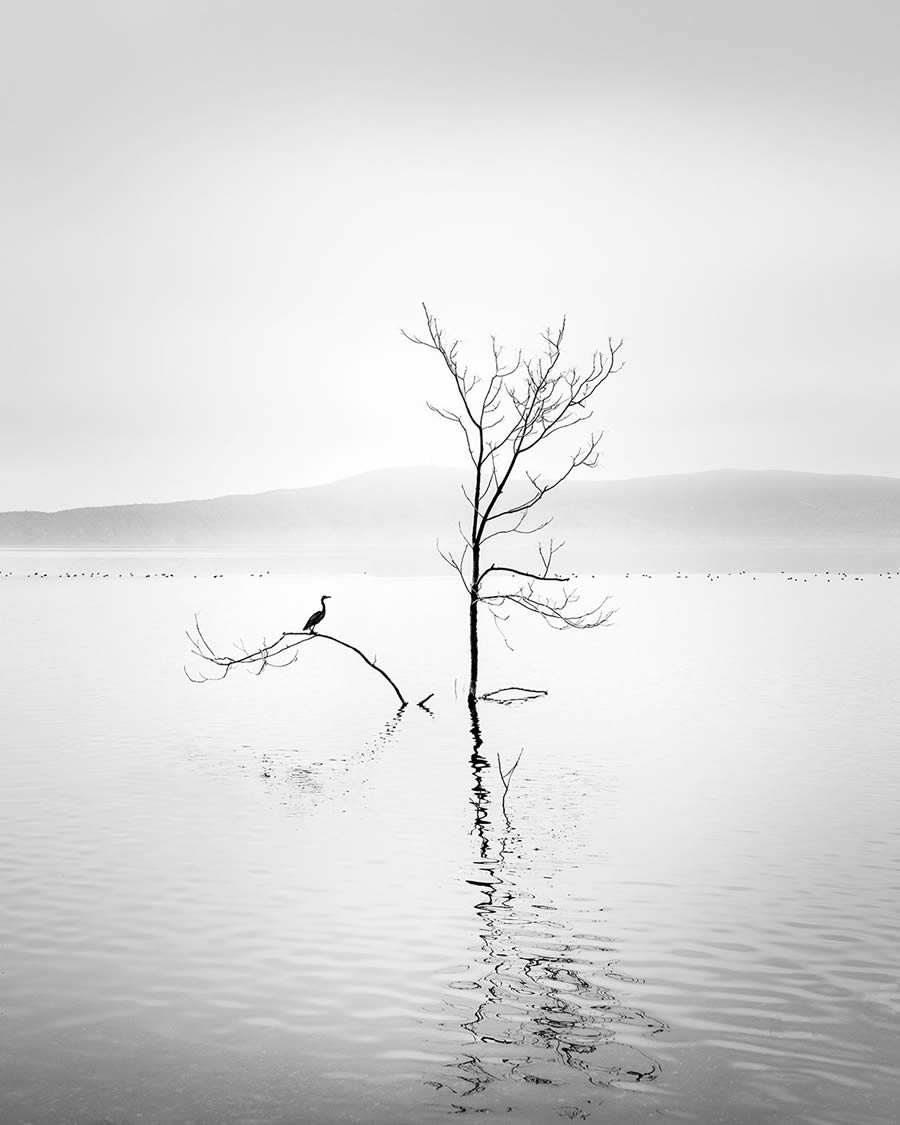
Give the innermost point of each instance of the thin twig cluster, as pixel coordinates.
(267, 655)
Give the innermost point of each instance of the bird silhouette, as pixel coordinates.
(317, 618)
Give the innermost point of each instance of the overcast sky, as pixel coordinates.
(218, 216)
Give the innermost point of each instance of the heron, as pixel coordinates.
(317, 618)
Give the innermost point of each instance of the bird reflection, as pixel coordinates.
(543, 1031)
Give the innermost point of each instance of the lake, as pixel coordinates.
(277, 899)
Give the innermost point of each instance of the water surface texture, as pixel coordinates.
(277, 899)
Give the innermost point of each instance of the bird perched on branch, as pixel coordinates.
(317, 618)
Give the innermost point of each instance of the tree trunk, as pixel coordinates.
(473, 629)
(473, 649)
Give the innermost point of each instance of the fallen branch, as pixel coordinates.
(362, 655)
(270, 654)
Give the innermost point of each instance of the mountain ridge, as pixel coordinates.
(460, 474)
(673, 520)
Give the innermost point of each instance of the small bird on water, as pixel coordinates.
(317, 618)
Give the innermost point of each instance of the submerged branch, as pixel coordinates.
(507, 695)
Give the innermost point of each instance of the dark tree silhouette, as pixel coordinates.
(505, 416)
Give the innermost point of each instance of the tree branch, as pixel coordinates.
(263, 657)
(524, 574)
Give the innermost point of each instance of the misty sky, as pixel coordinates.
(217, 217)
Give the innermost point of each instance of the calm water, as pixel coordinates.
(276, 900)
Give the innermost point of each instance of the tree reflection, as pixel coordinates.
(544, 1029)
(480, 795)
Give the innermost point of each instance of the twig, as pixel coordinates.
(506, 778)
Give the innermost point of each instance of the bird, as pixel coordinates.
(317, 618)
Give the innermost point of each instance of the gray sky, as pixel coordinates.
(217, 217)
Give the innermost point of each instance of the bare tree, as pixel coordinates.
(505, 416)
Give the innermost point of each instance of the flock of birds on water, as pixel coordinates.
(106, 574)
(827, 575)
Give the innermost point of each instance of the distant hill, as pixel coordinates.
(713, 520)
